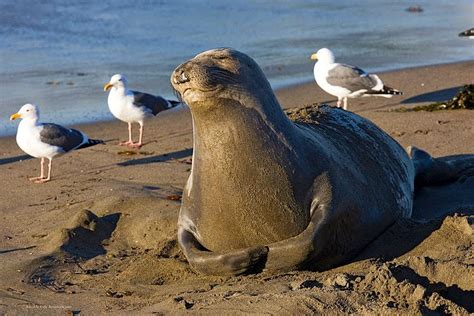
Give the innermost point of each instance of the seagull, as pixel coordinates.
(133, 106)
(46, 140)
(345, 81)
(468, 33)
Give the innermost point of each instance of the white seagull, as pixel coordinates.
(133, 106)
(345, 81)
(46, 140)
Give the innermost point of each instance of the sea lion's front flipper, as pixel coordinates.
(249, 260)
(294, 252)
(431, 171)
(285, 255)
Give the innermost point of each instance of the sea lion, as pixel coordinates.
(267, 193)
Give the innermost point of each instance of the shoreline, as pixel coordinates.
(286, 89)
(114, 209)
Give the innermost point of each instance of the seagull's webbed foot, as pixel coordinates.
(42, 180)
(135, 145)
(127, 143)
(131, 144)
(36, 178)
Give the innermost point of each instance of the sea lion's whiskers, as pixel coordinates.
(177, 94)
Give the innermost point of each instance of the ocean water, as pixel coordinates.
(59, 54)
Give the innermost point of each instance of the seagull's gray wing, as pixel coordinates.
(152, 104)
(65, 138)
(351, 78)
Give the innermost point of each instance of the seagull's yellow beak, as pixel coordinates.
(108, 86)
(314, 57)
(15, 116)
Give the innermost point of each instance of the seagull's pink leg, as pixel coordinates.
(345, 103)
(139, 144)
(130, 133)
(43, 180)
(130, 141)
(338, 104)
(42, 172)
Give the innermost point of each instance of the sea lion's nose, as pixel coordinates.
(180, 76)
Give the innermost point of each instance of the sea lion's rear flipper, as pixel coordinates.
(431, 171)
(249, 260)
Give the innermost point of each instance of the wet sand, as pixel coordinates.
(101, 237)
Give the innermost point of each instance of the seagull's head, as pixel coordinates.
(117, 81)
(324, 55)
(27, 111)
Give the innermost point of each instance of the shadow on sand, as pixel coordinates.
(5, 161)
(434, 96)
(159, 158)
(16, 249)
(85, 240)
(81, 242)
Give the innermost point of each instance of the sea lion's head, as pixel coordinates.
(221, 77)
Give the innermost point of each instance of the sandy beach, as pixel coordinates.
(101, 236)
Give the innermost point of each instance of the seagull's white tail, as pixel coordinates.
(390, 91)
(382, 90)
(90, 142)
(385, 92)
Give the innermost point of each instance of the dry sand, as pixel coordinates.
(101, 237)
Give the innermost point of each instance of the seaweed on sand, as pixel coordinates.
(464, 99)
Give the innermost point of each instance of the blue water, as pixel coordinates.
(58, 54)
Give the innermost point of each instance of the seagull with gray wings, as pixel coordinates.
(46, 140)
(345, 81)
(133, 106)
